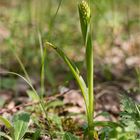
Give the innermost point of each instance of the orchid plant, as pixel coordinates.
(86, 89)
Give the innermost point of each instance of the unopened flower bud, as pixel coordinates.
(84, 12)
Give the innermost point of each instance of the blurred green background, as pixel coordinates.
(25, 24)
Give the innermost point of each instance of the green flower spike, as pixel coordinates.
(84, 11)
(85, 16)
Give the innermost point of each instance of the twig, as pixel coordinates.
(19, 107)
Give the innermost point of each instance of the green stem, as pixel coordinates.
(90, 77)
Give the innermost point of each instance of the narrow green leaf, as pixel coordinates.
(26, 80)
(73, 69)
(32, 95)
(6, 122)
(107, 123)
(69, 136)
(54, 104)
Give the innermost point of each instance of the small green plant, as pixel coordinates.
(130, 116)
(87, 90)
(17, 128)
